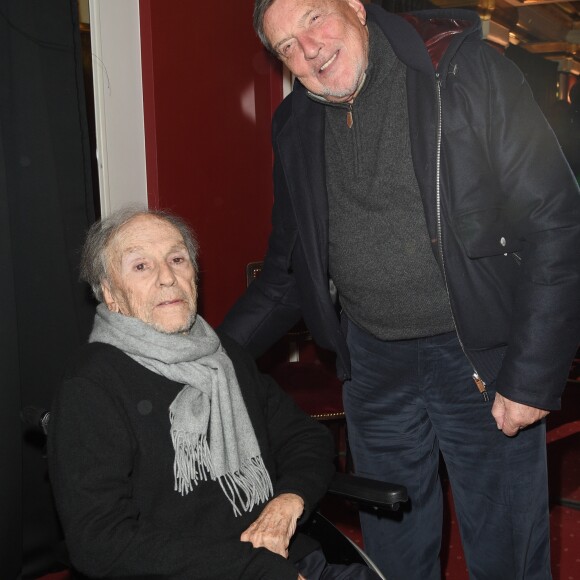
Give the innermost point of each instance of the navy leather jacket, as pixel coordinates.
(502, 210)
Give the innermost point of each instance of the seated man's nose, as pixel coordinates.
(166, 276)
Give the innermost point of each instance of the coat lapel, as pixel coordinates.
(301, 148)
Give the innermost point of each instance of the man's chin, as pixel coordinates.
(339, 95)
(177, 328)
(344, 93)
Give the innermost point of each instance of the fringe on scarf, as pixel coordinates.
(252, 481)
(244, 489)
(192, 461)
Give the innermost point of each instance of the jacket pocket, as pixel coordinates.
(485, 233)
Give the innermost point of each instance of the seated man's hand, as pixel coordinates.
(276, 524)
(511, 417)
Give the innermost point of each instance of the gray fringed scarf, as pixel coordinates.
(211, 400)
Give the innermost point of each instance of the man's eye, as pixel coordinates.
(140, 267)
(178, 260)
(287, 49)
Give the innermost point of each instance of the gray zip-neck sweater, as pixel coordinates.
(379, 252)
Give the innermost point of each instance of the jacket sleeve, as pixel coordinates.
(91, 450)
(543, 201)
(270, 306)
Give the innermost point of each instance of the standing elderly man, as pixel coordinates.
(170, 455)
(427, 228)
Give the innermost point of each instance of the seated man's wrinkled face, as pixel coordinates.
(150, 275)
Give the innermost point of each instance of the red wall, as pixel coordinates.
(209, 93)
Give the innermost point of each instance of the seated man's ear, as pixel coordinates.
(109, 297)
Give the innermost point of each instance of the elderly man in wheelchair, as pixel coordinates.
(170, 455)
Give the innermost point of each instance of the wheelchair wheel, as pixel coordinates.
(337, 548)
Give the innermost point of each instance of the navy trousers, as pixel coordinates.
(407, 401)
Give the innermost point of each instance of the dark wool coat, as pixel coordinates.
(111, 468)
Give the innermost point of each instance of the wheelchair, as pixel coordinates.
(366, 493)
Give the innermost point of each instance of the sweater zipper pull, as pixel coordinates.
(480, 384)
(349, 119)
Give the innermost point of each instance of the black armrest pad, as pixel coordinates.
(368, 492)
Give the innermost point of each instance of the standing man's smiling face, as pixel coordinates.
(324, 43)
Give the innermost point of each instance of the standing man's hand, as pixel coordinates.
(276, 524)
(511, 417)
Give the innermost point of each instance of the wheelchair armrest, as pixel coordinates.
(368, 492)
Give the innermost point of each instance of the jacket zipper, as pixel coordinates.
(349, 118)
(479, 382)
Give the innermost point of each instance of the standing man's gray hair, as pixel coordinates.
(94, 258)
(260, 7)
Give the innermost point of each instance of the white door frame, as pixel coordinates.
(118, 95)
